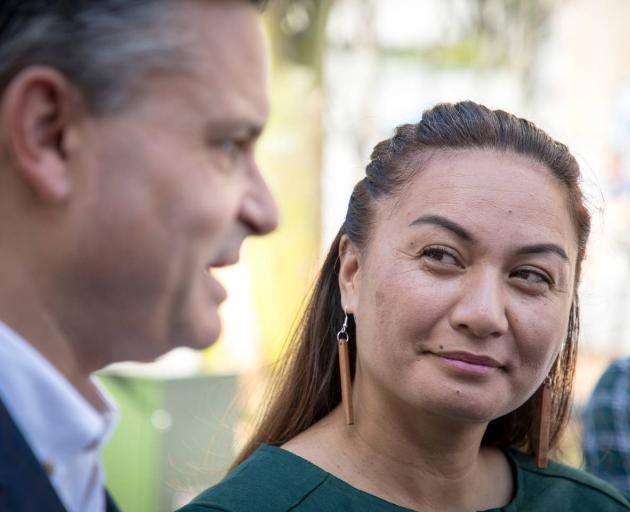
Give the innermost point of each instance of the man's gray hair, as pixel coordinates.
(104, 47)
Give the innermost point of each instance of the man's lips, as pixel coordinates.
(229, 252)
(218, 292)
(224, 259)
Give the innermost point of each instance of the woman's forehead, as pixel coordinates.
(488, 191)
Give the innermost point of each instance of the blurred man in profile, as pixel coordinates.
(127, 134)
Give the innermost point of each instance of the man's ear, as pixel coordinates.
(349, 274)
(36, 112)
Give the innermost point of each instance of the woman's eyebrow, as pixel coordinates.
(445, 223)
(543, 248)
(461, 232)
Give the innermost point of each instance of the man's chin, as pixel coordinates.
(199, 338)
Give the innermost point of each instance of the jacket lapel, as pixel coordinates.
(24, 484)
(111, 504)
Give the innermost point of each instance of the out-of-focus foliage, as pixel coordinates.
(296, 29)
(284, 269)
(491, 34)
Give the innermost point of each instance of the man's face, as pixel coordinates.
(167, 188)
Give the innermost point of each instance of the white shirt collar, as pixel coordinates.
(56, 421)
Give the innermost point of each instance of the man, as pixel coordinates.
(606, 422)
(127, 134)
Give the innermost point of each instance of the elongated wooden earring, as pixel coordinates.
(344, 372)
(543, 421)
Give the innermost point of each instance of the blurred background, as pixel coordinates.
(345, 73)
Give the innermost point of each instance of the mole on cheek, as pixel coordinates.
(379, 298)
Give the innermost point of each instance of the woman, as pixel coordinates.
(452, 283)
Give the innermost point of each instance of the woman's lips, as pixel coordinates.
(469, 363)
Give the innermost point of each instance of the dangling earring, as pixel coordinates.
(543, 420)
(344, 371)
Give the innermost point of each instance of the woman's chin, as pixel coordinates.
(466, 409)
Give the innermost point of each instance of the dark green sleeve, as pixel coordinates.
(560, 487)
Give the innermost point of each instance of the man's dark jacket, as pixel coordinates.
(24, 485)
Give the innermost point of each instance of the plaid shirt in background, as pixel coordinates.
(606, 423)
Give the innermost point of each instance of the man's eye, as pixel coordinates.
(230, 146)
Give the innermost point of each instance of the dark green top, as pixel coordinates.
(275, 480)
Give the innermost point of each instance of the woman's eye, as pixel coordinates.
(440, 255)
(533, 277)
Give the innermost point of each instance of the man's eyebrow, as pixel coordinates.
(445, 223)
(243, 127)
(544, 248)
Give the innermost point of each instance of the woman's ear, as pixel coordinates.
(36, 110)
(349, 274)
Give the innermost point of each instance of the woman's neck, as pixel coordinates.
(423, 463)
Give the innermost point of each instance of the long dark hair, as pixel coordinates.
(307, 386)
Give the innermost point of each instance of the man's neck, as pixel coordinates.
(23, 312)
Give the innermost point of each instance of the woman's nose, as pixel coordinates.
(480, 310)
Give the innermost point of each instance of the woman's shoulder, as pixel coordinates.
(271, 479)
(569, 488)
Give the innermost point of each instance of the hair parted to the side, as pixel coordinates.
(105, 47)
(307, 386)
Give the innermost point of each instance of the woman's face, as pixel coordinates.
(461, 296)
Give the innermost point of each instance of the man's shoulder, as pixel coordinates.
(271, 479)
(610, 398)
(562, 484)
(619, 369)
(606, 426)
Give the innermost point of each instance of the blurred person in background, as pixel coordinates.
(433, 366)
(127, 135)
(606, 427)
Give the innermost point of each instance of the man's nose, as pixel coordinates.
(480, 310)
(259, 211)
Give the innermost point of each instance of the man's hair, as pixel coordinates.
(104, 47)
